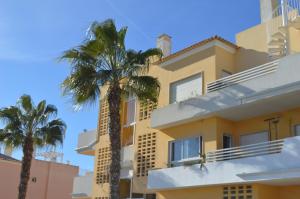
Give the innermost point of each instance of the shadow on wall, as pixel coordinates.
(248, 58)
(192, 59)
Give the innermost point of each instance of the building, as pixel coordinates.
(227, 121)
(48, 180)
(83, 182)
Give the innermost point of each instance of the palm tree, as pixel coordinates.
(103, 60)
(28, 126)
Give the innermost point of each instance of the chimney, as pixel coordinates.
(164, 43)
(266, 9)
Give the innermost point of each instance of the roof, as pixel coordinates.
(8, 158)
(196, 45)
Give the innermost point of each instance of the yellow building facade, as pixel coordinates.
(226, 124)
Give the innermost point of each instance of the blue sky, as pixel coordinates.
(33, 33)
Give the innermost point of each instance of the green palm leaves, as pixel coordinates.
(25, 117)
(104, 60)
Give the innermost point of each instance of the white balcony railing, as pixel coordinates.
(237, 96)
(242, 76)
(252, 150)
(268, 162)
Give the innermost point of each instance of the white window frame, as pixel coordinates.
(201, 75)
(135, 111)
(178, 162)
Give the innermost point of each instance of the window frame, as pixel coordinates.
(253, 133)
(231, 140)
(178, 162)
(200, 74)
(134, 114)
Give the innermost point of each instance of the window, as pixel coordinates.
(186, 88)
(297, 130)
(130, 111)
(227, 141)
(254, 138)
(186, 149)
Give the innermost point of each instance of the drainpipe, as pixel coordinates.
(285, 23)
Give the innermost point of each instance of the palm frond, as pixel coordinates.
(26, 102)
(25, 120)
(138, 61)
(10, 115)
(51, 134)
(12, 137)
(145, 87)
(102, 59)
(82, 85)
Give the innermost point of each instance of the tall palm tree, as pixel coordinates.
(28, 126)
(103, 60)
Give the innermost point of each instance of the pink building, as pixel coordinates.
(49, 180)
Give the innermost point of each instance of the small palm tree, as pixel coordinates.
(103, 60)
(28, 126)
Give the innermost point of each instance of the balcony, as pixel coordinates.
(86, 142)
(264, 89)
(275, 162)
(82, 186)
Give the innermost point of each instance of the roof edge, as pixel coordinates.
(196, 45)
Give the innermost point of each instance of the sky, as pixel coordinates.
(34, 33)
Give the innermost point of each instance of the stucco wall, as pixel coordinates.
(53, 180)
(213, 192)
(210, 62)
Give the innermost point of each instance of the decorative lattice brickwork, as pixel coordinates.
(238, 192)
(103, 162)
(146, 153)
(146, 109)
(101, 197)
(103, 117)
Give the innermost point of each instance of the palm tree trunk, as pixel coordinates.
(114, 100)
(26, 164)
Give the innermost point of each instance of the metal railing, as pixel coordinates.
(242, 76)
(285, 13)
(259, 149)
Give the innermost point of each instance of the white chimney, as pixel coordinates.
(164, 43)
(266, 9)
